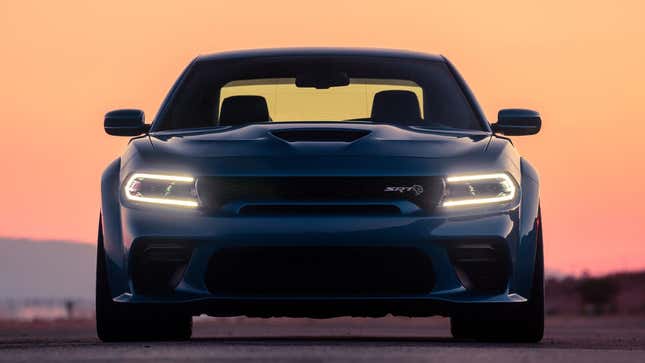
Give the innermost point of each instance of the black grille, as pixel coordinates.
(318, 209)
(320, 271)
(216, 191)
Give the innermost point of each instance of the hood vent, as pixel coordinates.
(320, 135)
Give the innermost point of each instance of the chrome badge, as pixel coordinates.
(416, 189)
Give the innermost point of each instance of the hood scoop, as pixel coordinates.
(320, 135)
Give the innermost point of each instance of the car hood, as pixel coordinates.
(281, 140)
(314, 148)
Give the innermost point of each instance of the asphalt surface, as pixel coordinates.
(615, 339)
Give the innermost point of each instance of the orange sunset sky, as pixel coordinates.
(580, 63)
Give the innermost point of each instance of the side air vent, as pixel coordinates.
(320, 135)
(158, 266)
(481, 265)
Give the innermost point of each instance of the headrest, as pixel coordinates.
(237, 110)
(396, 107)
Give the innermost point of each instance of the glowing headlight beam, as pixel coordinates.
(185, 179)
(141, 177)
(504, 180)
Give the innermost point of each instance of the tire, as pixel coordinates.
(116, 323)
(525, 324)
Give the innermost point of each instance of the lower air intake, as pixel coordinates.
(320, 271)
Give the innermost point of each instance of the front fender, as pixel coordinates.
(111, 222)
(528, 231)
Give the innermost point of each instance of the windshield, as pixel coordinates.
(307, 89)
(284, 101)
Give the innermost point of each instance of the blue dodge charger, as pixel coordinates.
(320, 183)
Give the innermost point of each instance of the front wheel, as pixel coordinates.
(525, 324)
(116, 323)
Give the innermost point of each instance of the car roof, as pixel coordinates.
(295, 52)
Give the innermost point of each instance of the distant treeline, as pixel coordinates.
(621, 293)
(46, 308)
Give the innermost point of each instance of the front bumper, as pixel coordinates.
(207, 235)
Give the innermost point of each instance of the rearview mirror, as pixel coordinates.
(125, 123)
(322, 79)
(516, 122)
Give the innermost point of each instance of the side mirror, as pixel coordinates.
(515, 122)
(125, 123)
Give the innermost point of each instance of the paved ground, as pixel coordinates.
(304, 340)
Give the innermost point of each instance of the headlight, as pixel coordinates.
(162, 189)
(478, 189)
